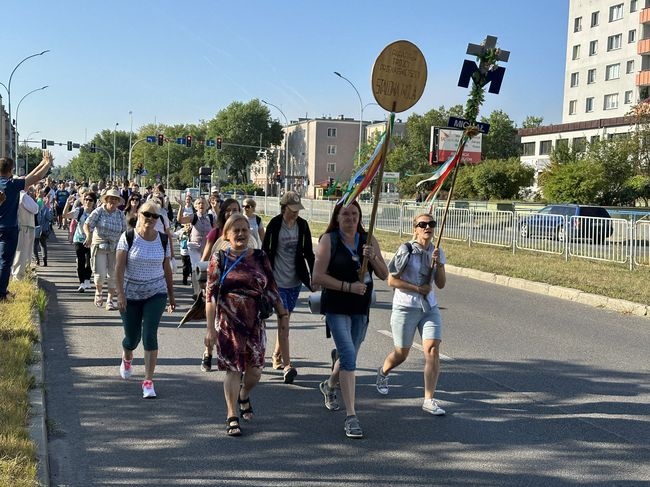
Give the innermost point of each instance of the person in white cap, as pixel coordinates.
(287, 242)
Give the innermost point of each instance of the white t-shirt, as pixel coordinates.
(144, 275)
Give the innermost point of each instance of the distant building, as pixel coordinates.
(6, 132)
(607, 71)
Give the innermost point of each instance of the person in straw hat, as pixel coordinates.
(103, 229)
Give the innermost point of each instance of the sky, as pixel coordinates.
(175, 62)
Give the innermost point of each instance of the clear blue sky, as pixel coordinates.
(183, 61)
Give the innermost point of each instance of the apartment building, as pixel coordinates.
(6, 131)
(607, 71)
(318, 148)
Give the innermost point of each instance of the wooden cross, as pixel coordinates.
(480, 52)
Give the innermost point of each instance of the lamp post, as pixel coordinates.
(8, 87)
(26, 151)
(18, 108)
(114, 164)
(130, 137)
(361, 107)
(286, 145)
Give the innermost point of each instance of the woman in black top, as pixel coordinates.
(346, 300)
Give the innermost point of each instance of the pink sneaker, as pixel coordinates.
(126, 369)
(148, 391)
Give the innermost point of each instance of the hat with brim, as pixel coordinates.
(113, 193)
(291, 200)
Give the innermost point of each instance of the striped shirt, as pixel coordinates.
(106, 227)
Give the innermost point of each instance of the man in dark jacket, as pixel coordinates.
(287, 242)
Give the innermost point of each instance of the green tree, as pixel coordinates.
(239, 125)
(501, 141)
(532, 121)
(493, 179)
(639, 188)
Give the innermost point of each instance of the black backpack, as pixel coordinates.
(130, 235)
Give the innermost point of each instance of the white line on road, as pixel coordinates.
(415, 345)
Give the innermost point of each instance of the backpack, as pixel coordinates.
(195, 219)
(130, 235)
(258, 219)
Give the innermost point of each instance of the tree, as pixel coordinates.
(494, 179)
(532, 121)
(242, 124)
(501, 141)
(639, 187)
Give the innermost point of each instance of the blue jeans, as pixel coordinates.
(348, 332)
(8, 244)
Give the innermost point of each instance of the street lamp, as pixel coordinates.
(18, 108)
(286, 145)
(130, 136)
(26, 147)
(114, 163)
(361, 107)
(8, 88)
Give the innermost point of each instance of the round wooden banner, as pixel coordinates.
(399, 76)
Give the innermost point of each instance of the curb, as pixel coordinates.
(37, 422)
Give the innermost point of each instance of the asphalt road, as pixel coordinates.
(538, 391)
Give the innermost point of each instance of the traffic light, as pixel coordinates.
(331, 182)
(205, 174)
(219, 143)
(69, 145)
(43, 144)
(93, 149)
(188, 141)
(161, 139)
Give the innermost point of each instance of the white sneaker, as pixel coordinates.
(148, 391)
(87, 284)
(81, 288)
(126, 369)
(381, 382)
(431, 406)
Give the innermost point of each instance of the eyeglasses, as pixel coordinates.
(430, 224)
(146, 214)
(248, 206)
(89, 199)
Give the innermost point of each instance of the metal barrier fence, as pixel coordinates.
(616, 240)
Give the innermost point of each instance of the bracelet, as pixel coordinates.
(349, 287)
(342, 285)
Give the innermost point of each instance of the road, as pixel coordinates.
(538, 391)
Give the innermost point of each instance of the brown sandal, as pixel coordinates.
(276, 358)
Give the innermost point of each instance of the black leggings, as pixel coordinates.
(187, 266)
(41, 242)
(84, 271)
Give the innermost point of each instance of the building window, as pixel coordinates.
(528, 149)
(591, 76)
(572, 107)
(545, 147)
(579, 144)
(628, 97)
(629, 67)
(574, 79)
(577, 24)
(633, 6)
(614, 42)
(331, 150)
(331, 167)
(631, 36)
(594, 18)
(594, 139)
(576, 52)
(593, 48)
(589, 104)
(562, 144)
(610, 101)
(612, 71)
(331, 132)
(616, 12)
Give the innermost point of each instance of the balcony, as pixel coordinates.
(644, 16)
(643, 46)
(643, 78)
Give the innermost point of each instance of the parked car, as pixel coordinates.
(550, 222)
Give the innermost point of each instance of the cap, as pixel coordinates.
(214, 189)
(291, 199)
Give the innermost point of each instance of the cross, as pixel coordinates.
(480, 51)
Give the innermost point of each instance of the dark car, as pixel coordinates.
(550, 222)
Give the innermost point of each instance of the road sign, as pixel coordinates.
(151, 139)
(399, 76)
(210, 143)
(461, 123)
(180, 140)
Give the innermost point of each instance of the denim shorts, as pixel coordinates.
(348, 332)
(289, 296)
(405, 321)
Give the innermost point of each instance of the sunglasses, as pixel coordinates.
(430, 224)
(89, 199)
(248, 206)
(146, 214)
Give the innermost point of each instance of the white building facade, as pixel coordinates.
(607, 72)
